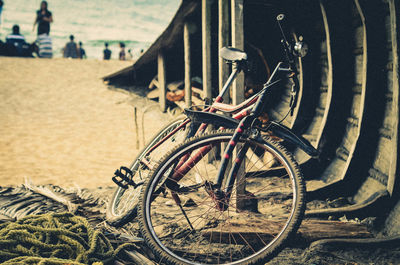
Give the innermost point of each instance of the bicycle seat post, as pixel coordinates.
(228, 83)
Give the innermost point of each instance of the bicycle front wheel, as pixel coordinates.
(123, 204)
(184, 220)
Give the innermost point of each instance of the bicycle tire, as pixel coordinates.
(177, 238)
(118, 217)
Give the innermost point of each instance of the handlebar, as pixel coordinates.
(289, 54)
(286, 46)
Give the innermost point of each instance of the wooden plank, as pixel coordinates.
(339, 168)
(329, 76)
(223, 40)
(188, 75)
(310, 230)
(162, 81)
(394, 24)
(361, 106)
(237, 42)
(206, 46)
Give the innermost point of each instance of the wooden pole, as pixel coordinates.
(237, 42)
(206, 46)
(223, 40)
(188, 83)
(162, 81)
(224, 34)
(136, 128)
(238, 86)
(206, 53)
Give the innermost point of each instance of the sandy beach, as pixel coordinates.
(61, 124)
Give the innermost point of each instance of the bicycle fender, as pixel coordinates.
(285, 133)
(212, 118)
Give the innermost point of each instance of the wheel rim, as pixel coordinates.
(221, 237)
(125, 200)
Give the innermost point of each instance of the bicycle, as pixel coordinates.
(241, 210)
(123, 205)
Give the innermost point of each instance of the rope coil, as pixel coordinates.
(54, 238)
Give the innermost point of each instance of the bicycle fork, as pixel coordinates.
(222, 197)
(186, 163)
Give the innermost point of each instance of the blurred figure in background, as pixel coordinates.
(1, 9)
(15, 38)
(16, 42)
(106, 52)
(122, 55)
(130, 55)
(71, 49)
(45, 46)
(43, 19)
(82, 53)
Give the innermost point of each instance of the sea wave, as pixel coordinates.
(137, 23)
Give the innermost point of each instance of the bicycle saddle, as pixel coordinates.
(232, 54)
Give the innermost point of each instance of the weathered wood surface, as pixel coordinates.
(381, 94)
(187, 58)
(223, 40)
(162, 81)
(206, 46)
(317, 127)
(394, 7)
(310, 230)
(353, 111)
(237, 42)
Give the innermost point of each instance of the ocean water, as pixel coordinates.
(137, 23)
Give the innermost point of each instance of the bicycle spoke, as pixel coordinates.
(213, 227)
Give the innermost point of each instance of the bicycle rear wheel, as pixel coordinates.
(185, 222)
(122, 207)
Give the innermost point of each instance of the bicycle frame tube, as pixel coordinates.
(203, 126)
(254, 113)
(184, 123)
(220, 98)
(235, 169)
(229, 151)
(185, 164)
(227, 84)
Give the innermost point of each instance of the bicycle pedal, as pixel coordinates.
(123, 177)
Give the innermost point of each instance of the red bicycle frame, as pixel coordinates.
(239, 111)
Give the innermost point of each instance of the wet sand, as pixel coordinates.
(60, 124)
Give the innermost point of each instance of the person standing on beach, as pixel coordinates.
(106, 52)
(82, 53)
(45, 46)
(71, 49)
(43, 19)
(122, 54)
